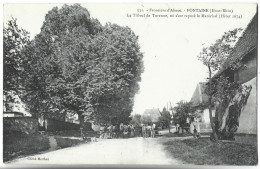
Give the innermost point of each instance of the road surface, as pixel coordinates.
(113, 151)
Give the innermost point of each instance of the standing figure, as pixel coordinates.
(125, 133)
(143, 131)
(178, 128)
(132, 134)
(128, 131)
(115, 131)
(121, 130)
(195, 132)
(148, 131)
(153, 131)
(110, 131)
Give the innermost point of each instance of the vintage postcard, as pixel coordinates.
(169, 84)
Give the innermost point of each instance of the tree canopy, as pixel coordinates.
(184, 111)
(77, 65)
(166, 118)
(136, 120)
(14, 40)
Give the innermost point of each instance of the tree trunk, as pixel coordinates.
(81, 119)
(212, 122)
(215, 136)
(64, 116)
(169, 126)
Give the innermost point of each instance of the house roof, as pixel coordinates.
(199, 96)
(18, 113)
(246, 43)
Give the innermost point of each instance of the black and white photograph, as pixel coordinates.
(142, 83)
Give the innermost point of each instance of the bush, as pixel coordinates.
(21, 145)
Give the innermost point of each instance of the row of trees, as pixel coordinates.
(169, 115)
(182, 114)
(74, 65)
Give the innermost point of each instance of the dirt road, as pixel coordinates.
(114, 151)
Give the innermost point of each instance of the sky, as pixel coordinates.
(170, 45)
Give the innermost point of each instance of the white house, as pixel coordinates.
(198, 98)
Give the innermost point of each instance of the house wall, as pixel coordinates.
(72, 118)
(245, 74)
(248, 117)
(56, 125)
(205, 116)
(202, 125)
(12, 114)
(9, 115)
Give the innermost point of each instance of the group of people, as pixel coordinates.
(123, 131)
(148, 130)
(108, 132)
(127, 131)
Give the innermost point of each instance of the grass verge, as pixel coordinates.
(22, 145)
(19, 145)
(203, 152)
(178, 135)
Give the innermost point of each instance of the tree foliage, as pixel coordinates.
(146, 119)
(216, 55)
(166, 118)
(136, 120)
(14, 40)
(79, 66)
(220, 88)
(184, 111)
